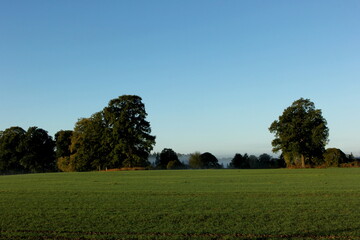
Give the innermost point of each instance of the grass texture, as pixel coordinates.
(182, 204)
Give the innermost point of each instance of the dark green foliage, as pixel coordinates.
(10, 152)
(118, 136)
(209, 161)
(88, 148)
(333, 157)
(240, 161)
(166, 156)
(253, 161)
(38, 151)
(300, 133)
(265, 161)
(63, 143)
(280, 162)
(31, 151)
(128, 131)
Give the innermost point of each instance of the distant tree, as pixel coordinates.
(253, 161)
(265, 160)
(333, 157)
(38, 151)
(240, 161)
(167, 155)
(351, 158)
(209, 161)
(195, 161)
(300, 133)
(128, 131)
(10, 152)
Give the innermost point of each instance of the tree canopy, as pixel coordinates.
(38, 150)
(300, 133)
(117, 136)
(209, 161)
(26, 151)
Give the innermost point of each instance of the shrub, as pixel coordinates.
(333, 157)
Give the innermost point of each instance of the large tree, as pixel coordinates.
(300, 133)
(128, 131)
(118, 136)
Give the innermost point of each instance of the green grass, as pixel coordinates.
(184, 204)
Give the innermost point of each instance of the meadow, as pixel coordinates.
(182, 204)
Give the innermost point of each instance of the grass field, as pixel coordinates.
(183, 204)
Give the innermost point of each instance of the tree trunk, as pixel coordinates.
(302, 161)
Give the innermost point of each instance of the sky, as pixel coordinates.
(213, 74)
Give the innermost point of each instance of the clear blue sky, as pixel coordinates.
(213, 74)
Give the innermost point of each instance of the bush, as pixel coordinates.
(333, 157)
(175, 164)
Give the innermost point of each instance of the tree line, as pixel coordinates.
(120, 136)
(169, 159)
(117, 136)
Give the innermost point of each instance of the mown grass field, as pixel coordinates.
(183, 204)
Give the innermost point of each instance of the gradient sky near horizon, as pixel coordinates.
(213, 74)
